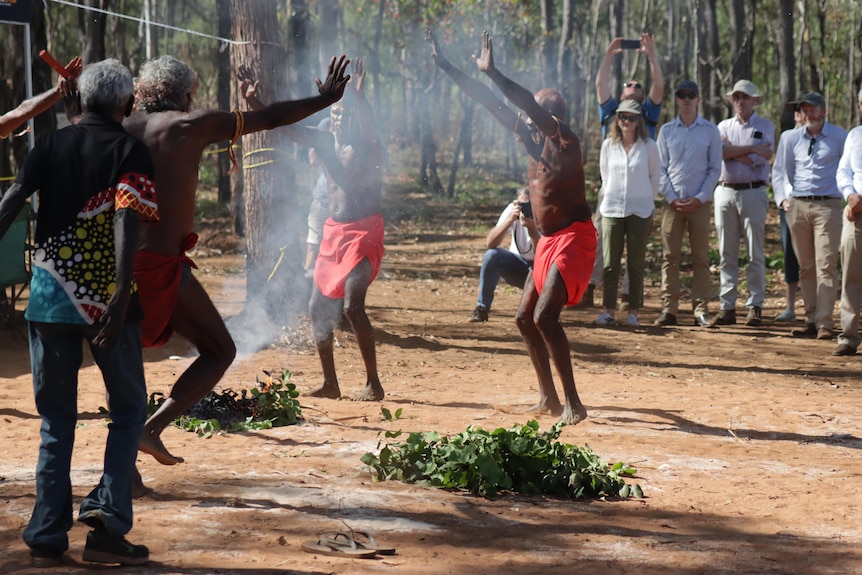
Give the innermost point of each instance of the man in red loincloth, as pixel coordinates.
(173, 300)
(352, 245)
(566, 252)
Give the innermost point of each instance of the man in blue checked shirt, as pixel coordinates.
(690, 151)
(804, 184)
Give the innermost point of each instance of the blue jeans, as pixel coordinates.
(56, 354)
(500, 262)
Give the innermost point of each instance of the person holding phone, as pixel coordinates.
(741, 203)
(512, 263)
(632, 89)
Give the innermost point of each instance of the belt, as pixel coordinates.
(815, 198)
(744, 186)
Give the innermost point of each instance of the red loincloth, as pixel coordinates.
(573, 249)
(159, 277)
(344, 245)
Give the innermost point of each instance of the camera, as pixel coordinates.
(526, 209)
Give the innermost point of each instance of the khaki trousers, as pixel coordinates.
(815, 226)
(674, 224)
(851, 281)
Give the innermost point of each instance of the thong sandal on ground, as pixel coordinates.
(370, 542)
(340, 544)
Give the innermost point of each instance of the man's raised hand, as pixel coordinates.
(485, 61)
(248, 84)
(357, 77)
(335, 81)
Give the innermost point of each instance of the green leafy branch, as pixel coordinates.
(273, 403)
(520, 459)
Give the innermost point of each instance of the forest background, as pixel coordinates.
(438, 143)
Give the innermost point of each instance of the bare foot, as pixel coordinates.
(138, 488)
(543, 408)
(370, 393)
(152, 444)
(573, 416)
(332, 392)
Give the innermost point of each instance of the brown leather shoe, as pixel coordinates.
(665, 319)
(724, 317)
(824, 333)
(844, 349)
(755, 316)
(810, 330)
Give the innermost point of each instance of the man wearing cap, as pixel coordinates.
(632, 89)
(850, 183)
(651, 106)
(690, 151)
(741, 203)
(804, 184)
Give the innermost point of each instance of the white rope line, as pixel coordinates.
(151, 23)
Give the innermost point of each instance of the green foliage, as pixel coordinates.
(520, 459)
(270, 404)
(387, 415)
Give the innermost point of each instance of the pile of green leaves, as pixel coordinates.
(270, 404)
(521, 459)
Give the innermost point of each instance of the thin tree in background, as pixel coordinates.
(786, 62)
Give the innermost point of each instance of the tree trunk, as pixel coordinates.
(328, 12)
(91, 26)
(299, 53)
(740, 42)
(786, 62)
(564, 54)
(274, 227)
(225, 79)
(549, 68)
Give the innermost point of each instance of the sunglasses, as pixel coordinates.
(686, 95)
(635, 85)
(627, 118)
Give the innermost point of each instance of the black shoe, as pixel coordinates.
(810, 330)
(479, 314)
(45, 556)
(724, 317)
(104, 548)
(844, 349)
(754, 317)
(702, 320)
(665, 319)
(587, 300)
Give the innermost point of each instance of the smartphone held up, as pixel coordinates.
(630, 44)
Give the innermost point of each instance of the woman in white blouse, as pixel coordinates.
(630, 181)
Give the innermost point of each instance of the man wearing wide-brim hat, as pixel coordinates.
(741, 203)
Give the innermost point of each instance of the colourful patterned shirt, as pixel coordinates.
(84, 174)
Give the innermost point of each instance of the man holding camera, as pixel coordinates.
(651, 109)
(512, 263)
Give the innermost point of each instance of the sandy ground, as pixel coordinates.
(746, 443)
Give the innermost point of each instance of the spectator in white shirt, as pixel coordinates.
(630, 182)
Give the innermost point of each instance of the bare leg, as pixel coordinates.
(547, 319)
(354, 308)
(325, 314)
(196, 318)
(549, 401)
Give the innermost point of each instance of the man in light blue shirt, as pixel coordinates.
(741, 203)
(849, 180)
(805, 186)
(690, 151)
